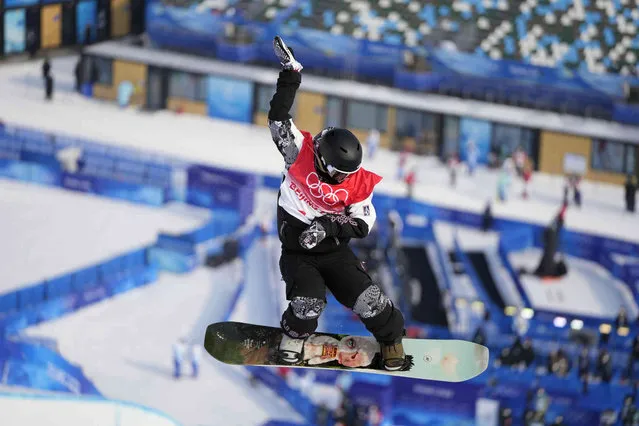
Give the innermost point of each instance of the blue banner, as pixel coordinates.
(474, 140)
(230, 99)
(217, 188)
(139, 193)
(457, 398)
(86, 16)
(15, 35)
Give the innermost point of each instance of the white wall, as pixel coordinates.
(52, 411)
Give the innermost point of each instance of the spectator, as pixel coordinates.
(519, 355)
(402, 162)
(179, 350)
(506, 417)
(560, 365)
(48, 87)
(542, 402)
(487, 218)
(504, 179)
(604, 366)
(77, 72)
(472, 156)
(559, 421)
(583, 368)
(46, 67)
(526, 176)
(631, 193)
(628, 411)
(372, 143)
(453, 165)
(410, 182)
(375, 416)
(622, 319)
(196, 356)
(633, 358)
(528, 353)
(519, 158)
(361, 415)
(32, 42)
(583, 363)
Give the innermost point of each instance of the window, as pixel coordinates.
(103, 68)
(507, 138)
(420, 125)
(609, 156)
(366, 116)
(187, 86)
(451, 136)
(264, 95)
(334, 112)
(408, 123)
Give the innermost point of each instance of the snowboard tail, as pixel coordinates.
(430, 359)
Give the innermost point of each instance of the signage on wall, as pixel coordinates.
(15, 31)
(230, 99)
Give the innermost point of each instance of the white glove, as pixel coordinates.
(285, 55)
(312, 236)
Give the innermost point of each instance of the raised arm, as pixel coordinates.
(286, 136)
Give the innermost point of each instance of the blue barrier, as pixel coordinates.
(38, 367)
(218, 188)
(60, 295)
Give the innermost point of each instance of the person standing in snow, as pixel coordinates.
(196, 356)
(179, 351)
(372, 143)
(472, 156)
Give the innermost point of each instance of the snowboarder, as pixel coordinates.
(325, 199)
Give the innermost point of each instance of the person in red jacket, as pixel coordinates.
(325, 199)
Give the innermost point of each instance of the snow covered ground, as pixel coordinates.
(587, 289)
(249, 148)
(124, 346)
(48, 231)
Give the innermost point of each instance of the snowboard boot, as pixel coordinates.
(393, 357)
(290, 351)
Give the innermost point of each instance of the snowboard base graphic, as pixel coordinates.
(443, 360)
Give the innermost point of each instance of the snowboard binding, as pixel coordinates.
(290, 351)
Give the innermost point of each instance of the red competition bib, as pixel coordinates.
(323, 196)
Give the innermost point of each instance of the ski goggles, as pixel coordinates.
(335, 173)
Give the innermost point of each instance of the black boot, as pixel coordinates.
(393, 356)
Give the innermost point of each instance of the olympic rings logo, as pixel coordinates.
(324, 191)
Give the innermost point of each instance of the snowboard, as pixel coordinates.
(430, 359)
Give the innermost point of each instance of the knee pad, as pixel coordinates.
(300, 319)
(307, 308)
(371, 302)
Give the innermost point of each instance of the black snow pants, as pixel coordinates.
(308, 275)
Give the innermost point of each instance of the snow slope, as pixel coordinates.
(124, 346)
(48, 231)
(587, 289)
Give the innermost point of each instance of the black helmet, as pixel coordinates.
(338, 154)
